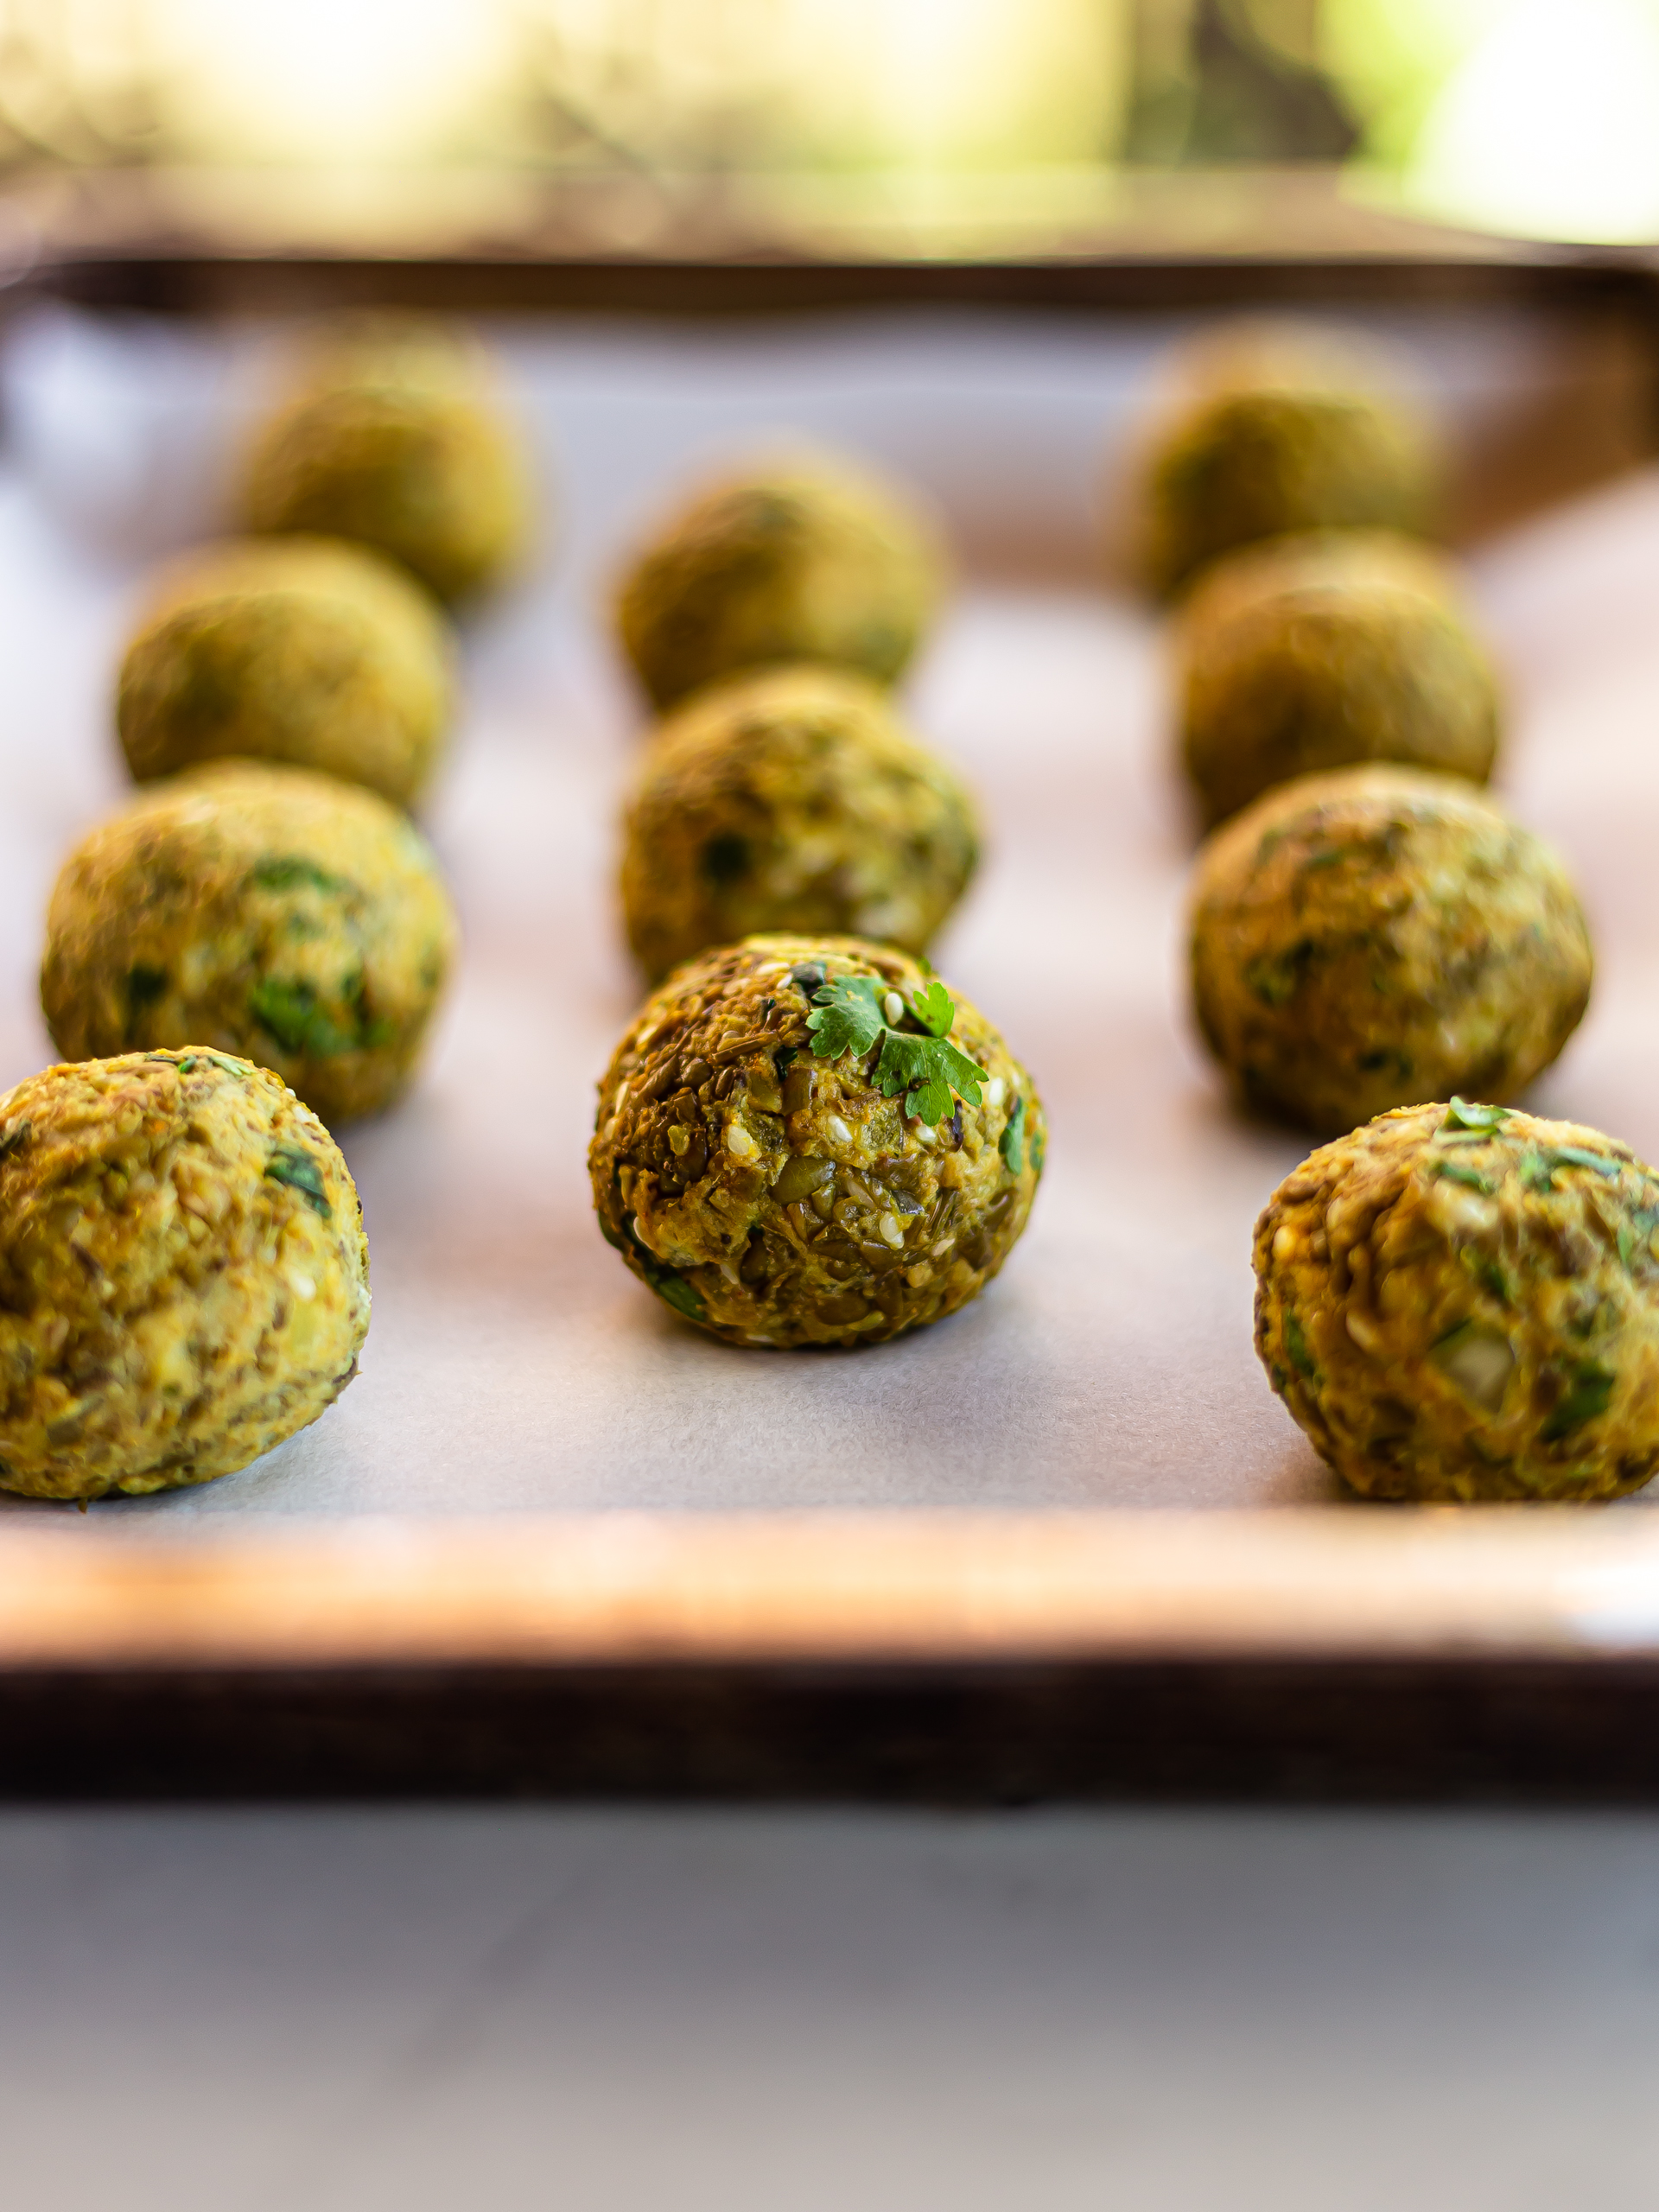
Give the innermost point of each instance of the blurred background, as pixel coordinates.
(973, 121)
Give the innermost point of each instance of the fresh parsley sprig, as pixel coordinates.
(849, 1014)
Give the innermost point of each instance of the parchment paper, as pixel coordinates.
(513, 1364)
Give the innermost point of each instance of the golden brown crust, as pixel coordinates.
(282, 917)
(1270, 429)
(399, 444)
(1460, 1304)
(802, 561)
(778, 1198)
(792, 801)
(1323, 652)
(183, 1274)
(306, 651)
(1364, 938)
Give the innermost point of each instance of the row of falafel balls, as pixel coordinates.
(803, 1138)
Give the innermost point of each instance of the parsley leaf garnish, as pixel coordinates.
(934, 1008)
(849, 1015)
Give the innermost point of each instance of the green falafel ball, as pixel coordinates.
(184, 1282)
(806, 1141)
(308, 650)
(1322, 651)
(1271, 431)
(1460, 1303)
(290, 919)
(1362, 938)
(802, 561)
(793, 800)
(398, 440)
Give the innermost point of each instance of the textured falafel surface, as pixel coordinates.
(282, 917)
(1461, 1303)
(776, 1196)
(183, 1273)
(307, 651)
(792, 801)
(1323, 651)
(1362, 938)
(1270, 430)
(802, 561)
(399, 443)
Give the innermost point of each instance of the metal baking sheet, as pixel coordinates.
(1003, 1487)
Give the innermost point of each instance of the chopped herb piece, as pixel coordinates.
(185, 1062)
(14, 1140)
(1626, 1245)
(293, 1165)
(674, 1290)
(1461, 1114)
(1573, 1155)
(284, 871)
(290, 1013)
(1487, 1273)
(1011, 1143)
(1275, 977)
(1453, 1171)
(1296, 1345)
(1538, 1167)
(808, 977)
(1587, 1396)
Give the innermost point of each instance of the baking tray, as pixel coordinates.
(552, 1539)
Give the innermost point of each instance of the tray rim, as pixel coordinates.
(1294, 1594)
(902, 1588)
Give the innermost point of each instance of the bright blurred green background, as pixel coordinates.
(1534, 117)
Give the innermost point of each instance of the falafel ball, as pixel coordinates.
(1459, 1304)
(794, 800)
(1322, 651)
(290, 919)
(1362, 938)
(806, 1141)
(308, 650)
(396, 439)
(1273, 429)
(184, 1281)
(804, 560)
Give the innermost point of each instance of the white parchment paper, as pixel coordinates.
(513, 1365)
